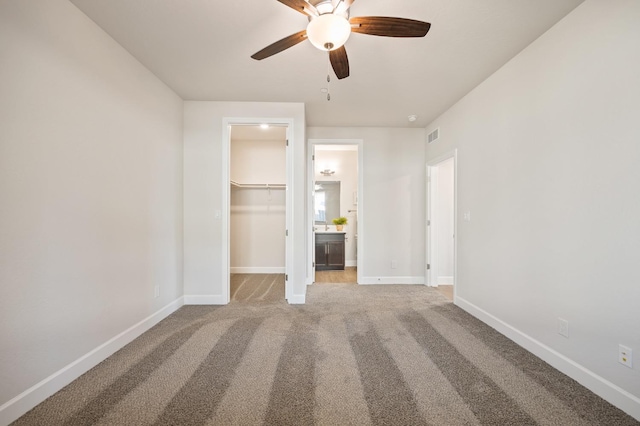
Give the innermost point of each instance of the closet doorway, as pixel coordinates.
(257, 212)
(335, 173)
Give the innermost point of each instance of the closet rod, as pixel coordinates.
(259, 185)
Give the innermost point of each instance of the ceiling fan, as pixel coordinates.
(330, 26)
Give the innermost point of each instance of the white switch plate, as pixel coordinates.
(625, 356)
(467, 216)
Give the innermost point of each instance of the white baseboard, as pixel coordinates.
(605, 389)
(350, 263)
(444, 280)
(391, 280)
(257, 270)
(33, 396)
(297, 299)
(207, 299)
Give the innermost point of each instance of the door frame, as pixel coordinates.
(227, 123)
(431, 225)
(311, 143)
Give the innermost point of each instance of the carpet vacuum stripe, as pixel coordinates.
(156, 392)
(488, 402)
(291, 401)
(339, 394)
(584, 403)
(353, 355)
(438, 401)
(246, 400)
(389, 398)
(138, 373)
(527, 393)
(199, 397)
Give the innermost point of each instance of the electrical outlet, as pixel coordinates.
(625, 356)
(563, 327)
(394, 264)
(156, 291)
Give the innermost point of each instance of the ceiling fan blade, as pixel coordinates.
(389, 27)
(339, 62)
(301, 6)
(281, 45)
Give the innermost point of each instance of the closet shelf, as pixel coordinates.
(259, 185)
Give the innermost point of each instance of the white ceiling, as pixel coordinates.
(202, 48)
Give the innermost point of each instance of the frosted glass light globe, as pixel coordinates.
(328, 31)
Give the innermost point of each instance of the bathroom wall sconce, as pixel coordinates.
(327, 172)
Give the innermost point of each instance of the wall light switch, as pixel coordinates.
(467, 216)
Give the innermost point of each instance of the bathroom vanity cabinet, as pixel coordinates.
(330, 251)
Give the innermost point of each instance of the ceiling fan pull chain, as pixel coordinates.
(329, 78)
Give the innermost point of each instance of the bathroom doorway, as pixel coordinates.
(335, 175)
(441, 224)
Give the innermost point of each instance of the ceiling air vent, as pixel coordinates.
(433, 136)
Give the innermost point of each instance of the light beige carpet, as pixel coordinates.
(353, 355)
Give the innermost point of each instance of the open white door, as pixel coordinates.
(441, 221)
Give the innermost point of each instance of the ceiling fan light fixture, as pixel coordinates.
(328, 31)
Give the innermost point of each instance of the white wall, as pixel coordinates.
(345, 164)
(393, 203)
(548, 168)
(257, 217)
(91, 190)
(203, 192)
(258, 161)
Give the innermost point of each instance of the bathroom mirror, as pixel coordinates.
(326, 202)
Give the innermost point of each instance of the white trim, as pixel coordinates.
(225, 242)
(37, 393)
(360, 250)
(598, 385)
(207, 299)
(391, 280)
(445, 280)
(257, 269)
(350, 263)
(433, 175)
(297, 299)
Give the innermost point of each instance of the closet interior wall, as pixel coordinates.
(257, 196)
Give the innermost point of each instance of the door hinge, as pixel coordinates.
(428, 266)
(313, 264)
(286, 233)
(313, 157)
(287, 142)
(428, 223)
(286, 277)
